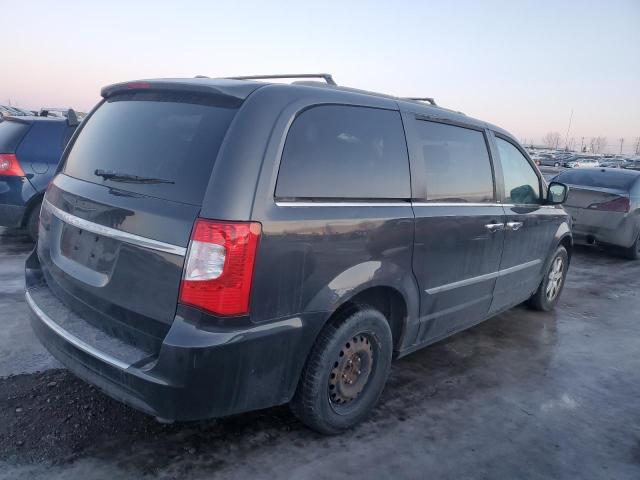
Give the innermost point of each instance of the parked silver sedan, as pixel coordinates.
(604, 204)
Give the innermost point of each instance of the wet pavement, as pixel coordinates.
(20, 352)
(524, 395)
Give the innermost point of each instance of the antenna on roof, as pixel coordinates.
(326, 76)
(423, 99)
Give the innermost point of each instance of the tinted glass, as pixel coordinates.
(521, 184)
(597, 178)
(43, 143)
(10, 135)
(336, 151)
(457, 163)
(170, 137)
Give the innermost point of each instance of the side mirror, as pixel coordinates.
(557, 193)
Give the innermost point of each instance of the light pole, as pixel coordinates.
(566, 137)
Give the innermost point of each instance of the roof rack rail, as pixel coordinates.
(422, 99)
(326, 76)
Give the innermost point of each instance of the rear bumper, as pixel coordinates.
(198, 373)
(622, 236)
(11, 215)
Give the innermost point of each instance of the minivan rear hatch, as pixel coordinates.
(116, 221)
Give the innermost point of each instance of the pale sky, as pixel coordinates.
(522, 65)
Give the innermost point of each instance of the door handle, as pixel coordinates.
(494, 227)
(514, 225)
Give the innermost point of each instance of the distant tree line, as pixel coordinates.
(594, 145)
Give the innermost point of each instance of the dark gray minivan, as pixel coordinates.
(213, 246)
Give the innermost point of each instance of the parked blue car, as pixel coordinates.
(30, 148)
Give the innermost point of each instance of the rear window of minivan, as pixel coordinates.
(11, 133)
(169, 139)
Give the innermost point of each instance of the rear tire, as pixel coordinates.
(548, 293)
(633, 252)
(345, 373)
(33, 221)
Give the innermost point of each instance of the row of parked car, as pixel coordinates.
(11, 111)
(213, 246)
(577, 160)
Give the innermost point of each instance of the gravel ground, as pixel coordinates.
(524, 395)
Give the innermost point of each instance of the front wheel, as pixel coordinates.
(548, 292)
(345, 373)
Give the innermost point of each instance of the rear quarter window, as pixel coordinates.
(10, 135)
(171, 137)
(338, 151)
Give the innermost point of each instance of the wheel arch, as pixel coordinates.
(563, 238)
(388, 301)
(567, 242)
(388, 288)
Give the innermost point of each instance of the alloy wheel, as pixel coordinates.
(554, 282)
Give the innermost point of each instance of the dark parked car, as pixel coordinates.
(605, 206)
(549, 160)
(30, 149)
(212, 246)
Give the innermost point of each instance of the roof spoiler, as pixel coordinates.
(230, 97)
(72, 118)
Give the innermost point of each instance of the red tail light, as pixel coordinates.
(620, 204)
(138, 85)
(218, 270)
(10, 166)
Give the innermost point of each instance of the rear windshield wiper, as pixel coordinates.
(128, 178)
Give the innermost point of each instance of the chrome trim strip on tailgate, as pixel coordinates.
(113, 232)
(72, 339)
